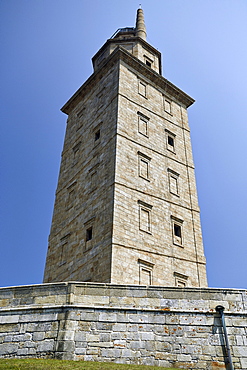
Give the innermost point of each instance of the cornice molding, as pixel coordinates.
(118, 55)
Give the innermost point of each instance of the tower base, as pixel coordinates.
(172, 327)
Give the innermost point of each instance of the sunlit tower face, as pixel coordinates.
(126, 208)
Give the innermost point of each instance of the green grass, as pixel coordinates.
(43, 364)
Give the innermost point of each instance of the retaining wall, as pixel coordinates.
(126, 324)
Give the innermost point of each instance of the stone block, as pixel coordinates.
(163, 347)
(36, 317)
(122, 317)
(22, 352)
(240, 351)
(193, 320)
(108, 316)
(66, 346)
(9, 319)
(81, 344)
(191, 349)
(51, 334)
(238, 321)
(136, 345)
(80, 351)
(133, 327)
(149, 361)
(164, 363)
(46, 346)
(8, 328)
(8, 338)
(149, 345)
(111, 352)
(8, 348)
(243, 362)
(45, 326)
(22, 337)
(184, 358)
(92, 337)
(80, 337)
(104, 326)
(176, 330)
(119, 343)
(69, 356)
(31, 352)
(172, 319)
(38, 335)
(127, 353)
(101, 344)
(74, 315)
(88, 358)
(147, 336)
(93, 351)
(119, 327)
(138, 318)
(132, 335)
(158, 319)
(66, 335)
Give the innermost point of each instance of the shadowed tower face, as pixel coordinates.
(126, 208)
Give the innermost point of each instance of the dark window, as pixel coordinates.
(89, 234)
(97, 135)
(177, 230)
(170, 140)
(148, 63)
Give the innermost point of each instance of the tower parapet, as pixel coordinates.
(133, 39)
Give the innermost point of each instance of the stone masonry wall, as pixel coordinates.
(84, 196)
(153, 242)
(122, 323)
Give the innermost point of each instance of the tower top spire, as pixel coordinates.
(140, 24)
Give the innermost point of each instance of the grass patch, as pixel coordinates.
(43, 364)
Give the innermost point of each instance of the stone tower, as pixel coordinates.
(126, 208)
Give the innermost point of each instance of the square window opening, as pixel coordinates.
(173, 184)
(89, 234)
(181, 280)
(170, 141)
(145, 220)
(144, 163)
(97, 135)
(143, 127)
(144, 168)
(145, 272)
(177, 231)
(145, 217)
(142, 89)
(145, 276)
(181, 284)
(167, 106)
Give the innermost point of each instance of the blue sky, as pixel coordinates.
(46, 50)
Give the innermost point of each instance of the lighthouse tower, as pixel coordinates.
(126, 208)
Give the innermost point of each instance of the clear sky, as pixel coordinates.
(46, 50)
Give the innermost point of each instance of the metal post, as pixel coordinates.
(220, 310)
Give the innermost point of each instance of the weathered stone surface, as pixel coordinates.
(38, 336)
(126, 181)
(8, 348)
(190, 338)
(46, 346)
